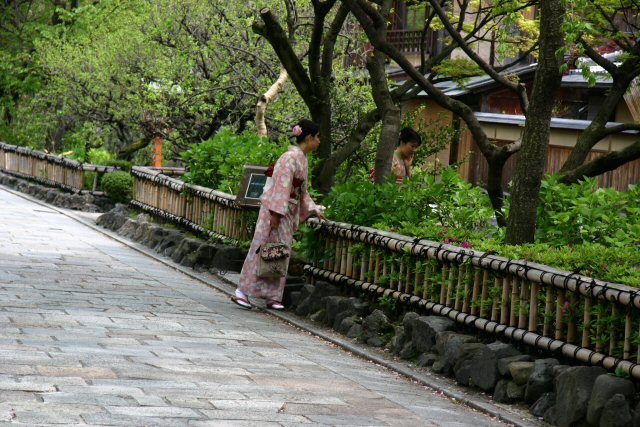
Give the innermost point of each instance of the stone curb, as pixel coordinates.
(518, 418)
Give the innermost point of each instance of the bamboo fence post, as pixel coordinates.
(400, 273)
(349, 260)
(504, 301)
(460, 287)
(571, 327)
(533, 307)
(467, 289)
(372, 258)
(599, 328)
(476, 291)
(494, 299)
(425, 289)
(416, 281)
(343, 258)
(586, 323)
(392, 270)
(327, 250)
(450, 285)
(638, 350)
(376, 273)
(627, 336)
(548, 315)
(332, 250)
(612, 330)
(385, 268)
(485, 293)
(443, 284)
(559, 312)
(522, 304)
(363, 266)
(338, 257)
(407, 281)
(514, 302)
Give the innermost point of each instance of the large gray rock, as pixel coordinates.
(186, 247)
(201, 258)
(541, 379)
(450, 347)
(462, 368)
(313, 302)
(346, 325)
(115, 218)
(141, 231)
(543, 404)
(425, 330)
(484, 365)
(154, 236)
(331, 306)
(227, 258)
(397, 341)
(374, 326)
(605, 387)
(503, 364)
(507, 391)
(616, 412)
(573, 390)
(520, 372)
(170, 242)
(128, 229)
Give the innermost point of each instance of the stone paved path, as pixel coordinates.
(94, 333)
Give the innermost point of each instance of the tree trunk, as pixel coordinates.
(263, 102)
(127, 152)
(390, 116)
(521, 224)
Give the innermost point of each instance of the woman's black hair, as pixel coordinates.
(408, 134)
(308, 128)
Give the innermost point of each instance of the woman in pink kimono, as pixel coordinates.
(285, 204)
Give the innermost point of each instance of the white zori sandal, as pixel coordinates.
(241, 299)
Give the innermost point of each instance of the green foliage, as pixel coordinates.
(388, 304)
(459, 69)
(583, 229)
(424, 206)
(219, 162)
(584, 213)
(118, 186)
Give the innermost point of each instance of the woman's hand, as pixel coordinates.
(274, 220)
(320, 215)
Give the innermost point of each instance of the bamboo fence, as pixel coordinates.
(49, 169)
(202, 209)
(580, 317)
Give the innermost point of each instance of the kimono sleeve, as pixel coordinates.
(277, 199)
(307, 206)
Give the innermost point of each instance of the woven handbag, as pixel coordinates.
(273, 260)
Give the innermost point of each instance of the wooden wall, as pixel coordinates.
(475, 169)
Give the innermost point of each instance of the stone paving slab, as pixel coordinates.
(93, 332)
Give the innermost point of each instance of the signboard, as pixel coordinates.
(253, 182)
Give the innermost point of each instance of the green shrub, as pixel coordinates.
(581, 228)
(118, 185)
(218, 163)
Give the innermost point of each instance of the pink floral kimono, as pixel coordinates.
(285, 193)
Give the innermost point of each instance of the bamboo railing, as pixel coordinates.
(583, 318)
(49, 169)
(202, 209)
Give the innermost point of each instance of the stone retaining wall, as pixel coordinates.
(82, 202)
